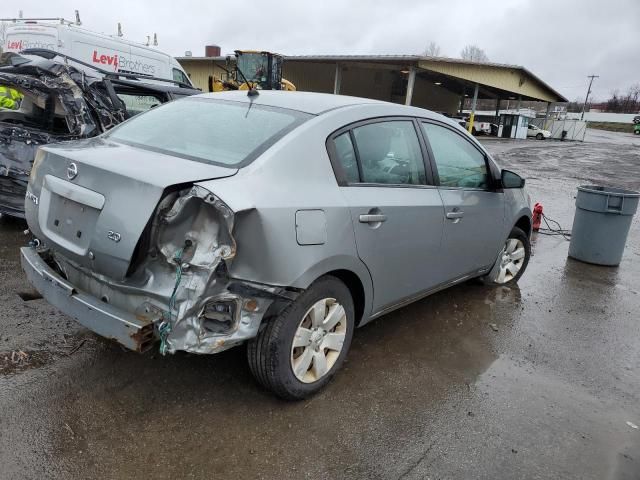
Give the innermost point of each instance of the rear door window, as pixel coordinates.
(389, 153)
(458, 162)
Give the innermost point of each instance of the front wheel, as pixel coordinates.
(540, 136)
(512, 260)
(296, 354)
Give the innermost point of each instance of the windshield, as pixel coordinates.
(213, 131)
(254, 66)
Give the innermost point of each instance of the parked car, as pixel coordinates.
(283, 219)
(537, 132)
(64, 99)
(636, 120)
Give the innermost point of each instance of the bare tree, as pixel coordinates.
(432, 50)
(473, 53)
(624, 102)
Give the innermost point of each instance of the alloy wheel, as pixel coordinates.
(318, 340)
(511, 260)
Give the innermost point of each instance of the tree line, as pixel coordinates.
(628, 102)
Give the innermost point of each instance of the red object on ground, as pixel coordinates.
(537, 216)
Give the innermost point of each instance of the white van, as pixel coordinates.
(110, 53)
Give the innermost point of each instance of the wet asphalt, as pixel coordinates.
(535, 381)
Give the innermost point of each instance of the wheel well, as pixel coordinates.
(524, 224)
(353, 283)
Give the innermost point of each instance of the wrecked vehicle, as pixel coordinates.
(281, 219)
(63, 99)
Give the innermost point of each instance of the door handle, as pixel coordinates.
(455, 215)
(372, 218)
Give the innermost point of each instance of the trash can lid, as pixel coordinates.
(599, 190)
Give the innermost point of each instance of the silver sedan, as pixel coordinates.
(283, 220)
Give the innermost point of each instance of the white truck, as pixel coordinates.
(479, 128)
(108, 52)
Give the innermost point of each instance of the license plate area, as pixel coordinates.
(71, 220)
(68, 214)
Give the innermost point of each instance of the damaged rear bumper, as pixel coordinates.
(104, 319)
(138, 330)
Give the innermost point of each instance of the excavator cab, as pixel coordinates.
(262, 69)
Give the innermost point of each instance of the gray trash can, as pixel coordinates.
(601, 224)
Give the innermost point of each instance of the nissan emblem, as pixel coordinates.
(72, 171)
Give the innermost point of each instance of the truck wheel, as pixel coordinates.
(297, 353)
(540, 136)
(512, 260)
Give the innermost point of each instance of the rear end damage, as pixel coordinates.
(177, 288)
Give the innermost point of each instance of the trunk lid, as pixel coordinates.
(92, 200)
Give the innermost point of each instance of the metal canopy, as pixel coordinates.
(495, 80)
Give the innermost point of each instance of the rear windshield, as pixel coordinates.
(212, 131)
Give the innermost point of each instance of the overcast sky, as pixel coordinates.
(561, 41)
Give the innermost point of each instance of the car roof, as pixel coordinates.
(308, 102)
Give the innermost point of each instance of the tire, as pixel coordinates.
(501, 274)
(540, 136)
(271, 353)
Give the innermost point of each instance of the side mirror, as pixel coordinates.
(510, 179)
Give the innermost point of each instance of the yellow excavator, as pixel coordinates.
(253, 70)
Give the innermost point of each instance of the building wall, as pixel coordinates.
(199, 72)
(356, 81)
(368, 82)
(309, 76)
(432, 97)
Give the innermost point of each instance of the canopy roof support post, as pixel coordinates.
(473, 108)
(410, 84)
(337, 79)
(497, 107)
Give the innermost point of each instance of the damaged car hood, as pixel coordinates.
(93, 199)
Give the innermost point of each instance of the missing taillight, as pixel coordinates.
(219, 316)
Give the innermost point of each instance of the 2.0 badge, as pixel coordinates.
(115, 236)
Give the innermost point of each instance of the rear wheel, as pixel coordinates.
(512, 260)
(298, 352)
(540, 136)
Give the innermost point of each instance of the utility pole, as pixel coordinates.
(588, 93)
